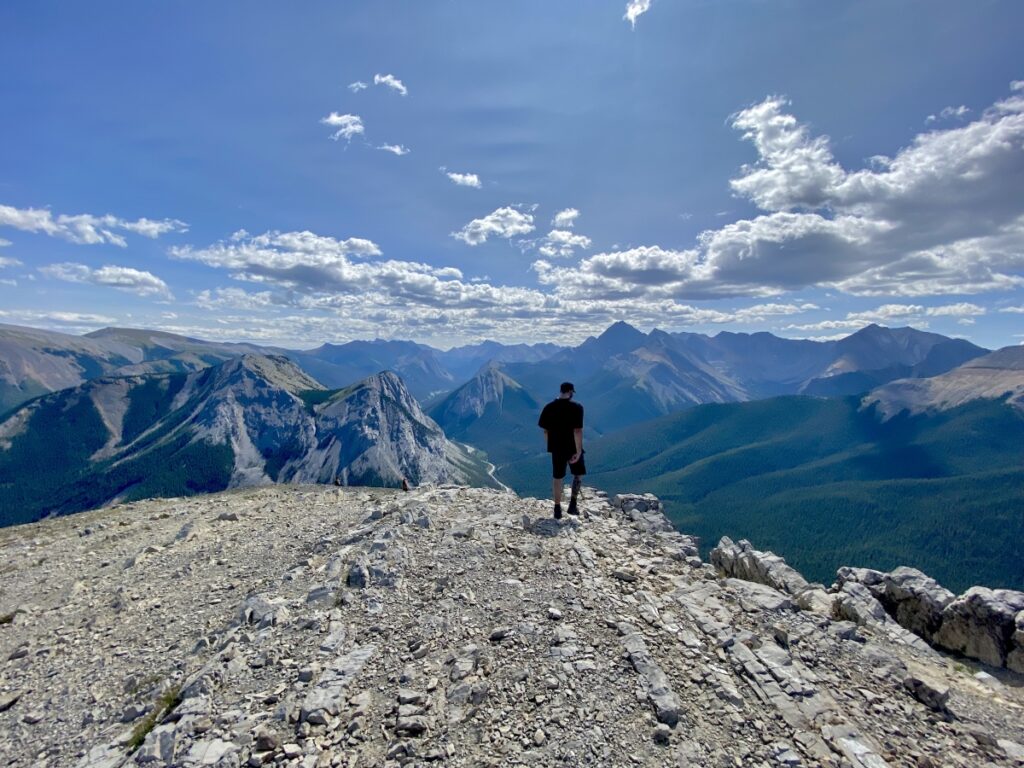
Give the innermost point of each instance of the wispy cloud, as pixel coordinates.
(357, 86)
(889, 314)
(391, 82)
(504, 222)
(464, 179)
(235, 298)
(85, 228)
(395, 149)
(948, 113)
(7, 261)
(70, 318)
(635, 9)
(347, 125)
(122, 278)
(565, 219)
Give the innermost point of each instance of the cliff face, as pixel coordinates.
(312, 626)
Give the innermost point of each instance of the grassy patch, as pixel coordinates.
(167, 701)
(144, 683)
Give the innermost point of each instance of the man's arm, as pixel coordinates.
(577, 435)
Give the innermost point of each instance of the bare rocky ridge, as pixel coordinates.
(999, 374)
(311, 626)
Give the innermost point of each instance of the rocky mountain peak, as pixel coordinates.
(276, 370)
(621, 337)
(313, 626)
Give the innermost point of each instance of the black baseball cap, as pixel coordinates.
(567, 387)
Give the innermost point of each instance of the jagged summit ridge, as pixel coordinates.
(305, 626)
(251, 420)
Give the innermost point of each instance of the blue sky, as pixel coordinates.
(520, 171)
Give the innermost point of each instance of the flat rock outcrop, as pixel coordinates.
(312, 626)
(982, 624)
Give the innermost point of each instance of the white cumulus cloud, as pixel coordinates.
(504, 222)
(85, 228)
(126, 279)
(464, 179)
(395, 149)
(347, 125)
(635, 9)
(391, 82)
(7, 261)
(357, 86)
(565, 219)
(561, 243)
(943, 216)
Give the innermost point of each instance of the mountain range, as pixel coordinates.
(626, 377)
(249, 420)
(34, 362)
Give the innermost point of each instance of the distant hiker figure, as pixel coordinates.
(562, 422)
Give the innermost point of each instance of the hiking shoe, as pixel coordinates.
(572, 507)
(558, 511)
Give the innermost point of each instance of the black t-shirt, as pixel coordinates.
(560, 417)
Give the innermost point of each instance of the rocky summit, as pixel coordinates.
(318, 626)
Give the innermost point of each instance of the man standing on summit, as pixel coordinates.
(562, 422)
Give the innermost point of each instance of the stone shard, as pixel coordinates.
(102, 757)
(329, 693)
(656, 682)
(755, 597)
(263, 611)
(932, 695)
(816, 600)
(856, 603)
(742, 561)
(208, 752)
(158, 747)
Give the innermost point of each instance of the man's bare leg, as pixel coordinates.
(556, 494)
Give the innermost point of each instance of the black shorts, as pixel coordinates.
(559, 462)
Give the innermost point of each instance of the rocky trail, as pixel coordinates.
(311, 626)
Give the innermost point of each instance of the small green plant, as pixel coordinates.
(7, 618)
(166, 702)
(143, 683)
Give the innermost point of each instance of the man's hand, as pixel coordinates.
(574, 458)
